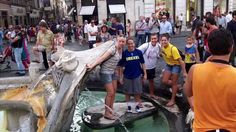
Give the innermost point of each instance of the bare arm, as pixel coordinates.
(105, 56)
(188, 87)
(15, 39)
(182, 64)
(121, 75)
(144, 71)
(197, 55)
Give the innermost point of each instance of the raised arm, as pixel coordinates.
(102, 58)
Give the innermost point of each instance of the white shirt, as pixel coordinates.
(150, 54)
(181, 18)
(86, 28)
(228, 18)
(92, 30)
(165, 27)
(11, 33)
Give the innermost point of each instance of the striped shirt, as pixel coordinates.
(109, 66)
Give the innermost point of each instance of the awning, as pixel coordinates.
(70, 12)
(117, 9)
(87, 10)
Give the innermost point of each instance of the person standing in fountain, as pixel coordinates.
(174, 63)
(211, 87)
(134, 67)
(109, 73)
(151, 52)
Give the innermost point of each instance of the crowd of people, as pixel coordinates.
(206, 59)
(210, 43)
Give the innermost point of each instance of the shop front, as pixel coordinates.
(4, 15)
(19, 15)
(89, 10)
(116, 9)
(34, 16)
(194, 8)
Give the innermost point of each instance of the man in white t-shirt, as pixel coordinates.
(151, 52)
(92, 33)
(181, 19)
(228, 17)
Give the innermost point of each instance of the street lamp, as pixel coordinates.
(74, 15)
(28, 11)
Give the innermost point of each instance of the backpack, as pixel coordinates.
(182, 55)
(148, 47)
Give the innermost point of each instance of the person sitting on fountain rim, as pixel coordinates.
(210, 87)
(174, 63)
(133, 62)
(109, 74)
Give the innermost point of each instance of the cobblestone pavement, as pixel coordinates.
(178, 40)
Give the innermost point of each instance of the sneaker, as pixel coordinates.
(178, 94)
(137, 109)
(129, 110)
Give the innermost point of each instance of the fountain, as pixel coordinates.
(50, 102)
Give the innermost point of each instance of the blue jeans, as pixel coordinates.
(174, 69)
(20, 66)
(140, 38)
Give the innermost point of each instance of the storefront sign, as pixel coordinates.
(35, 13)
(18, 11)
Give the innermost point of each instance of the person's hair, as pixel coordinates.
(220, 42)
(234, 13)
(199, 24)
(153, 34)
(104, 26)
(230, 12)
(98, 39)
(211, 20)
(129, 38)
(129, 21)
(43, 24)
(165, 35)
(190, 36)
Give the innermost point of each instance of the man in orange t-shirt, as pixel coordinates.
(211, 87)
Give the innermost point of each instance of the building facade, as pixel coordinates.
(5, 11)
(100, 9)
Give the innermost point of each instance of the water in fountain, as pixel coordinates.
(93, 97)
(157, 122)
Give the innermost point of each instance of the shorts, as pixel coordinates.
(151, 73)
(133, 86)
(175, 69)
(188, 66)
(108, 78)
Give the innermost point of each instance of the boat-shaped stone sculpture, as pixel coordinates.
(48, 103)
(93, 116)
